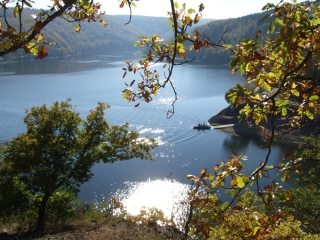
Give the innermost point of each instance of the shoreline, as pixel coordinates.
(229, 115)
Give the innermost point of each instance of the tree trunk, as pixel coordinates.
(41, 215)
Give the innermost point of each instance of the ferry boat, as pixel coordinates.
(202, 126)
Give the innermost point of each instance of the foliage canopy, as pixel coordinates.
(57, 153)
(283, 70)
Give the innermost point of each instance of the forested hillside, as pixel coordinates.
(118, 37)
(237, 29)
(92, 39)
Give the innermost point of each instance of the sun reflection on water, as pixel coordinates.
(166, 195)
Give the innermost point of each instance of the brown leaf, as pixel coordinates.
(43, 53)
(38, 27)
(132, 83)
(275, 217)
(237, 208)
(268, 188)
(203, 173)
(205, 230)
(234, 153)
(216, 167)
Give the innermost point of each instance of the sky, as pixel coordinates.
(216, 9)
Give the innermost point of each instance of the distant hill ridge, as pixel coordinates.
(118, 37)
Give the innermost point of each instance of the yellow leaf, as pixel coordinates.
(39, 38)
(240, 182)
(255, 230)
(293, 85)
(104, 23)
(249, 67)
(157, 48)
(285, 177)
(16, 11)
(176, 5)
(77, 28)
(196, 18)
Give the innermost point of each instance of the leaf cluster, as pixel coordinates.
(27, 34)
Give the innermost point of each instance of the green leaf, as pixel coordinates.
(268, 6)
(240, 182)
(210, 177)
(126, 94)
(310, 115)
(191, 10)
(8, 45)
(295, 92)
(16, 11)
(315, 21)
(227, 46)
(28, 3)
(201, 7)
(269, 167)
(271, 27)
(266, 86)
(234, 62)
(176, 5)
(232, 98)
(284, 112)
(169, 21)
(137, 43)
(265, 17)
(255, 230)
(282, 102)
(314, 98)
(279, 21)
(285, 177)
(242, 68)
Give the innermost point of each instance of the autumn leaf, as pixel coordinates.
(191, 177)
(132, 83)
(256, 229)
(39, 38)
(42, 53)
(203, 173)
(77, 28)
(16, 10)
(216, 167)
(285, 177)
(205, 230)
(104, 23)
(38, 27)
(268, 188)
(237, 208)
(240, 182)
(234, 153)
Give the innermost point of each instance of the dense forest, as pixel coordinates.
(119, 37)
(234, 30)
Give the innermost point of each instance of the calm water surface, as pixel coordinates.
(182, 150)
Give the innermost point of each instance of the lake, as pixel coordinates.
(182, 150)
